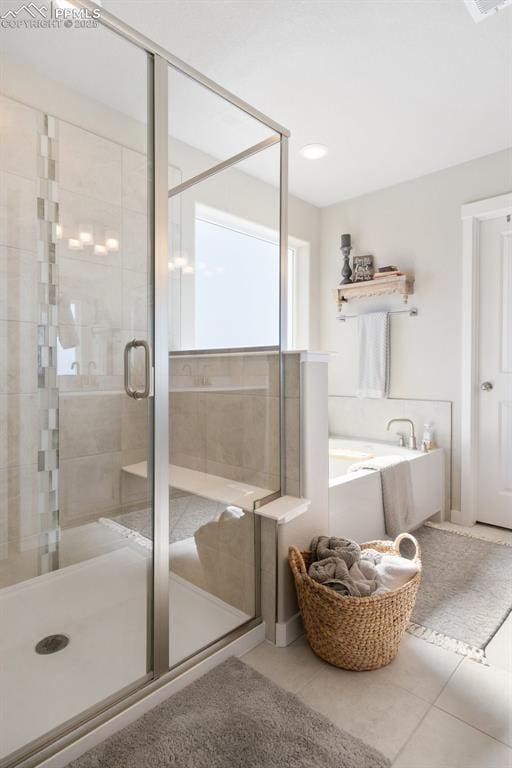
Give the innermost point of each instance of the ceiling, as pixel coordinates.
(395, 89)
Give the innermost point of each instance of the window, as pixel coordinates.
(227, 294)
(236, 285)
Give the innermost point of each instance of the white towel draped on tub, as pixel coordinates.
(373, 338)
(397, 498)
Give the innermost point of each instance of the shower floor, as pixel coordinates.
(101, 605)
(187, 513)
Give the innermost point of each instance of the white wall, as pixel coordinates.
(415, 225)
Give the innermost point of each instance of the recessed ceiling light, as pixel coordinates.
(314, 151)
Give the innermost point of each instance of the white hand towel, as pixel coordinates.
(373, 335)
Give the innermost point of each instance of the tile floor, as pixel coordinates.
(430, 708)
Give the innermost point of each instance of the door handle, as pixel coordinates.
(485, 386)
(137, 394)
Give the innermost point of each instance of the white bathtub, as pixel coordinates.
(355, 499)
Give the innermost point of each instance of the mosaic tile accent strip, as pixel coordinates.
(47, 331)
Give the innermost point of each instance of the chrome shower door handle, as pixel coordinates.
(137, 394)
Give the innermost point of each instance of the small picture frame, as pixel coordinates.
(363, 269)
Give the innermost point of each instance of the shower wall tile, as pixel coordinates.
(134, 241)
(135, 299)
(19, 421)
(4, 547)
(190, 462)
(135, 175)
(19, 564)
(225, 428)
(89, 487)
(18, 284)
(187, 425)
(89, 424)
(292, 445)
(89, 164)
(134, 424)
(135, 491)
(243, 475)
(47, 328)
(261, 372)
(261, 434)
(224, 416)
(18, 503)
(261, 479)
(292, 375)
(101, 383)
(18, 212)
(18, 355)
(220, 371)
(81, 213)
(18, 138)
(95, 291)
(99, 354)
(292, 420)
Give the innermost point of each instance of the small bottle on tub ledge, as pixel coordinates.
(428, 439)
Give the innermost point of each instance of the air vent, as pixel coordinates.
(482, 9)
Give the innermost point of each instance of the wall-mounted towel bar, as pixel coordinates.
(412, 312)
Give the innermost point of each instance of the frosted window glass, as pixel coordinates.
(237, 289)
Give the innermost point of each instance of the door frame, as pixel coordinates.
(472, 214)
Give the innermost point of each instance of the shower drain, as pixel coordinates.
(51, 644)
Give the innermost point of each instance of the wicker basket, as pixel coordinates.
(356, 633)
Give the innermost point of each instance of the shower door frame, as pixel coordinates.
(159, 60)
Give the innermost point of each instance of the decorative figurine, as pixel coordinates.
(346, 247)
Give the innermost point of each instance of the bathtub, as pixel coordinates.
(355, 498)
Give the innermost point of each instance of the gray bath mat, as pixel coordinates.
(466, 590)
(233, 717)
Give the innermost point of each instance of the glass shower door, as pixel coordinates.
(76, 415)
(224, 362)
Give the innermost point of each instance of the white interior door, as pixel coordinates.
(495, 373)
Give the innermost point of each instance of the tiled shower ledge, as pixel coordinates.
(216, 488)
(208, 486)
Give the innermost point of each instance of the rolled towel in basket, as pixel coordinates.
(323, 547)
(333, 572)
(393, 572)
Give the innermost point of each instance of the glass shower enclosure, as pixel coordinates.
(143, 254)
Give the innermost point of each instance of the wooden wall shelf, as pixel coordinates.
(403, 285)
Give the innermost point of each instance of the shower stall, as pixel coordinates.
(143, 257)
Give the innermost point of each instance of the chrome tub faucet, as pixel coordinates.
(411, 440)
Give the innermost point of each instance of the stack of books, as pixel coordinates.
(387, 272)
